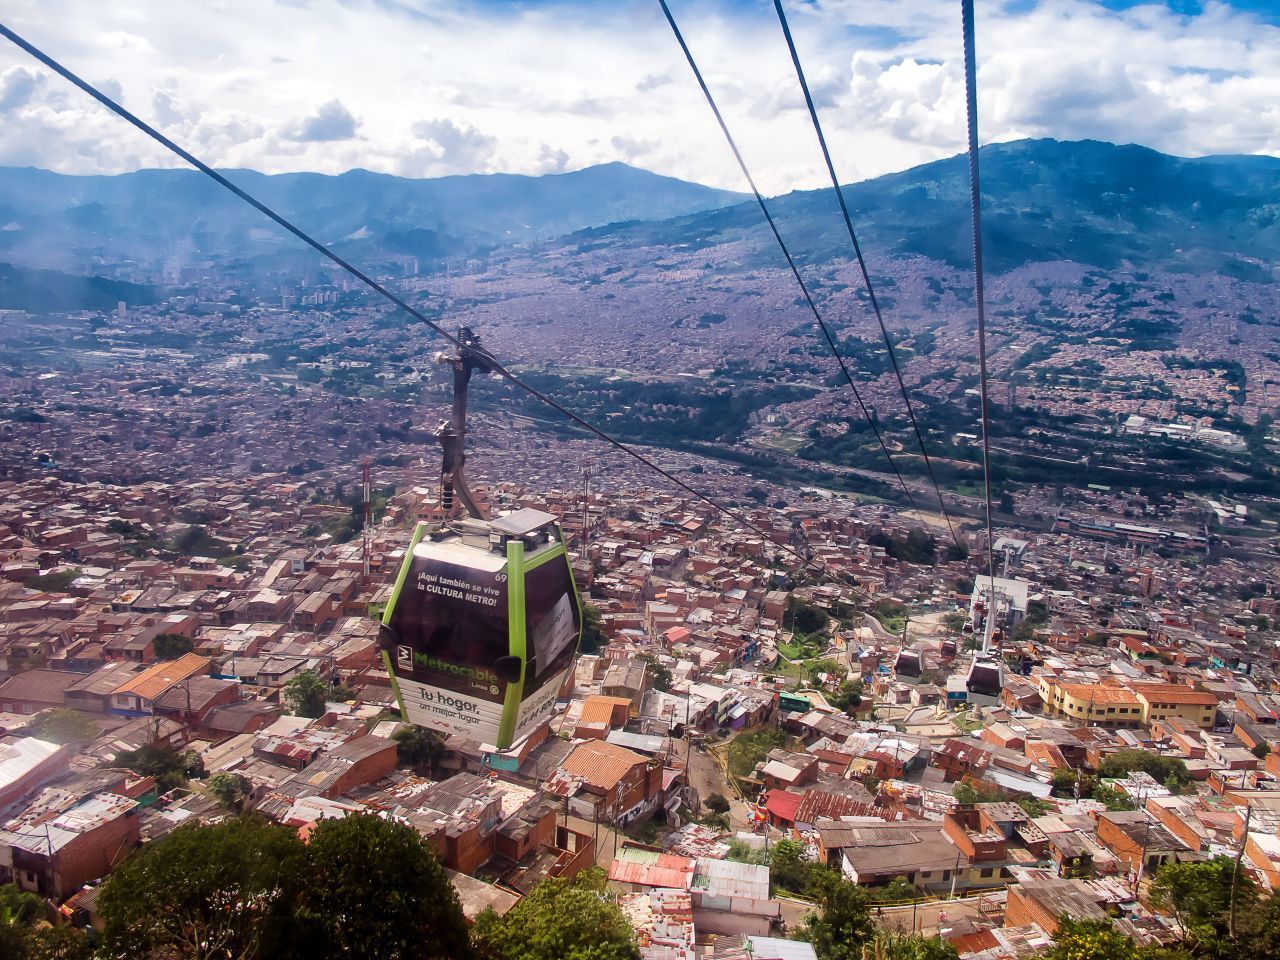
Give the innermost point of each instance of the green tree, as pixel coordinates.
(842, 925)
(896, 890)
(805, 617)
(1113, 799)
(742, 852)
(206, 893)
(170, 646)
(660, 674)
(307, 694)
(717, 803)
(716, 821)
(230, 789)
(815, 671)
(1089, 940)
(1164, 769)
(1063, 782)
(559, 920)
(171, 768)
(593, 637)
(18, 907)
(1257, 932)
(1199, 897)
(849, 697)
(790, 867)
(40, 941)
(902, 946)
(747, 749)
(1033, 807)
(419, 748)
(967, 794)
(374, 888)
(62, 725)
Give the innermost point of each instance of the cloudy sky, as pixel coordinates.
(426, 88)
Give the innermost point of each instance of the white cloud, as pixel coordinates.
(427, 87)
(17, 84)
(332, 121)
(449, 147)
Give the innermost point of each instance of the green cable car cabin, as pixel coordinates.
(482, 626)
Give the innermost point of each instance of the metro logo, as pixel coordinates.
(471, 673)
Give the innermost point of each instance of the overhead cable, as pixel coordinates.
(862, 265)
(382, 291)
(764, 208)
(975, 208)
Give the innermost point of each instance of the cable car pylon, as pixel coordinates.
(484, 619)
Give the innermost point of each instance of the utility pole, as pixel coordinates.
(1146, 837)
(364, 547)
(586, 505)
(1235, 873)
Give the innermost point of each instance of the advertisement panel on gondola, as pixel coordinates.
(481, 637)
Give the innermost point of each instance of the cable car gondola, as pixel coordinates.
(484, 620)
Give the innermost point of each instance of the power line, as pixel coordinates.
(862, 264)
(378, 288)
(764, 208)
(975, 206)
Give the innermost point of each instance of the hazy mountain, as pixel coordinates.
(1043, 200)
(48, 219)
(41, 291)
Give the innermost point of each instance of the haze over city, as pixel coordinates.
(476, 525)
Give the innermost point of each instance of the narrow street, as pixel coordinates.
(706, 777)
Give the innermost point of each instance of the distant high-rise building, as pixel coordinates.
(121, 310)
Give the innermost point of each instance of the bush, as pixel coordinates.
(63, 725)
(716, 803)
(746, 750)
(1170, 771)
(790, 867)
(170, 767)
(559, 920)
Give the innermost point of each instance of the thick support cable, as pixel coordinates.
(382, 291)
(795, 271)
(975, 207)
(862, 264)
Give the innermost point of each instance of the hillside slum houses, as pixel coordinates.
(868, 747)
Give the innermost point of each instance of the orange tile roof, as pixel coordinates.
(598, 710)
(600, 763)
(1092, 693)
(1174, 693)
(155, 680)
(1046, 753)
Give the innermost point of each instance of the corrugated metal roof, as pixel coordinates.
(663, 870)
(773, 948)
(157, 679)
(600, 764)
(728, 878)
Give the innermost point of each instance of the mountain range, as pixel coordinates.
(1043, 200)
(167, 216)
